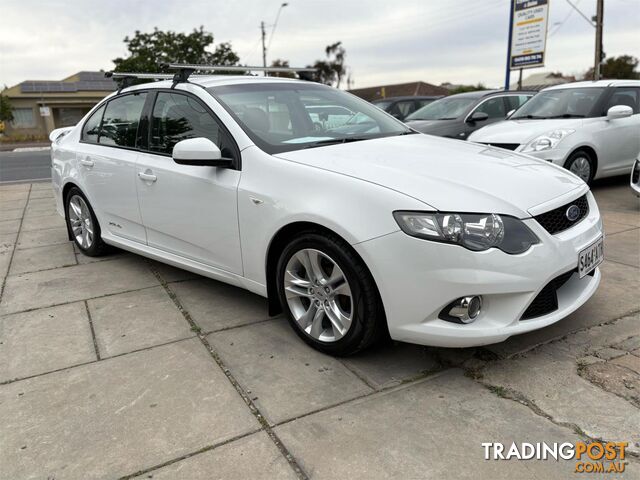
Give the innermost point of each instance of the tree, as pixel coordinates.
(281, 63)
(5, 109)
(332, 70)
(467, 88)
(622, 67)
(148, 51)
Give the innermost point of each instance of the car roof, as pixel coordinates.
(207, 81)
(407, 97)
(594, 84)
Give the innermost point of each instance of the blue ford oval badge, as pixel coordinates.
(572, 213)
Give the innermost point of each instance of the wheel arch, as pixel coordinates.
(277, 244)
(589, 150)
(65, 190)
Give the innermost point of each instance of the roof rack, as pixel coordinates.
(126, 79)
(186, 69)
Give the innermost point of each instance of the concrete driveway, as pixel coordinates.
(122, 367)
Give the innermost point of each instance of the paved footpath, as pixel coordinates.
(122, 367)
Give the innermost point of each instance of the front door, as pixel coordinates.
(189, 211)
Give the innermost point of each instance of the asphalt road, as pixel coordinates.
(16, 166)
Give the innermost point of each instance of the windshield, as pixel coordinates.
(281, 117)
(444, 109)
(561, 103)
(382, 104)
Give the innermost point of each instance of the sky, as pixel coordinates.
(459, 41)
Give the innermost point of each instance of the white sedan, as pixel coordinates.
(355, 231)
(590, 128)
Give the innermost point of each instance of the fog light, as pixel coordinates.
(462, 310)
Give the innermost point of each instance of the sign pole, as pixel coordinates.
(508, 70)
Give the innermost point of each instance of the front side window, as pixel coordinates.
(627, 96)
(444, 109)
(281, 117)
(179, 117)
(121, 120)
(494, 107)
(516, 101)
(562, 103)
(91, 129)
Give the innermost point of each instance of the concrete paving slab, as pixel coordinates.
(112, 254)
(41, 186)
(624, 247)
(626, 218)
(13, 204)
(42, 193)
(215, 305)
(12, 187)
(78, 282)
(548, 377)
(393, 364)
(13, 195)
(42, 258)
(616, 197)
(5, 259)
(135, 320)
(44, 340)
(42, 222)
(9, 226)
(40, 211)
(40, 238)
(11, 213)
(611, 227)
(254, 457)
(41, 202)
(629, 361)
(431, 430)
(286, 378)
(118, 416)
(619, 282)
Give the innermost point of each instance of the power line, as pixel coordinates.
(581, 14)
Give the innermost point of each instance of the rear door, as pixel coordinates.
(106, 163)
(190, 211)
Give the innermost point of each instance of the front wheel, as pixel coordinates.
(329, 295)
(581, 164)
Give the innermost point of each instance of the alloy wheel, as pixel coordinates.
(318, 295)
(582, 168)
(80, 221)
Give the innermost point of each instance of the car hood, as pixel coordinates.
(448, 175)
(430, 126)
(520, 131)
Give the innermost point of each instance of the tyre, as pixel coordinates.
(329, 295)
(83, 225)
(581, 164)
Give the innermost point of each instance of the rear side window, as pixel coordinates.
(121, 120)
(178, 117)
(91, 128)
(627, 96)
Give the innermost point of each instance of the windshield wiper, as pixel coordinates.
(447, 118)
(530, 117)
(334, 141)
(568, 115)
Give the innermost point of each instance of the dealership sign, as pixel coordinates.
(529, 33)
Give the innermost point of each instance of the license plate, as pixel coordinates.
(590, 257)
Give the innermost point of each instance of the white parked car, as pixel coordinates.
(351, 230)
(590, 128)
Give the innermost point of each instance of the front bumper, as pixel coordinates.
(418, 278)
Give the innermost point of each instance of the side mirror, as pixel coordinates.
(619, 111)
(201, 152)
(478, 117)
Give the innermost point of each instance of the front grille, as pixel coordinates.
(506, 146)
(635, 177)
(555, 221)
(547, 300)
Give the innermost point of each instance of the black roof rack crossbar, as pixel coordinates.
(126, 79)
(186, 69)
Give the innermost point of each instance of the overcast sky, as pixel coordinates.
(461, 41)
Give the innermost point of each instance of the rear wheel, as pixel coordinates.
(581, 164)
(329, 295)
(83, 225)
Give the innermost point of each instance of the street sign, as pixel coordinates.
(45, 112)
(529, 33)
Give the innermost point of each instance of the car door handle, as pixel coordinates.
(147, 177)
(87, 162)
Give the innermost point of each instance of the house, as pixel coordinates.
(399, 90)
(538, 81)
(38, 107)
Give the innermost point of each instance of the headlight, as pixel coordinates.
(473, 231)
(547, 141)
